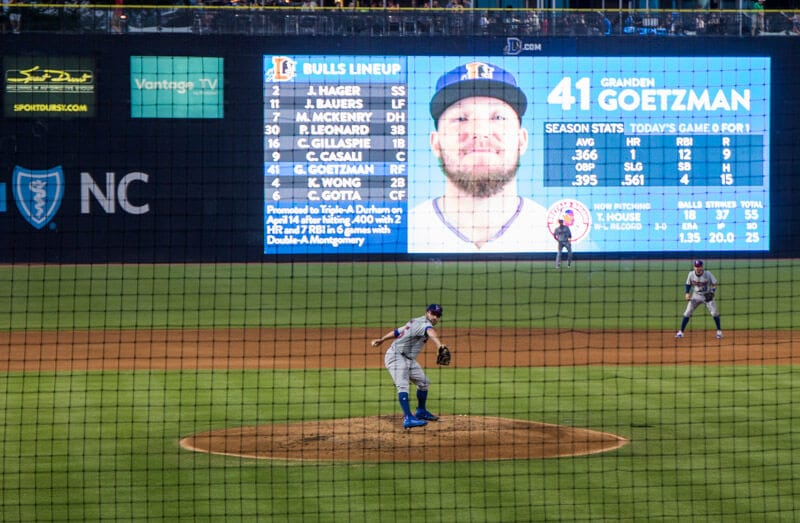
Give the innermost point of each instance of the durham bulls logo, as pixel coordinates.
(284, 69)
(478, 71)
(38, 194)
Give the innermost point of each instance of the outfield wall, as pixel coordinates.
(125, 176)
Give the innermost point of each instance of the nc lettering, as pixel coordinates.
(113, 193)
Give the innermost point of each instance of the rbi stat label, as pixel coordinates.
(335, 154)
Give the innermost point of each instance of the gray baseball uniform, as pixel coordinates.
(401, 358)
(700, 285)
(563, 236)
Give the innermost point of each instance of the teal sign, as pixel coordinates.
(176, 87)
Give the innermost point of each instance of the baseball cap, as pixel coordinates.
(435, 309)
(698, 263)
(477, 79)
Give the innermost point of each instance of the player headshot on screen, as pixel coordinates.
(478, 140)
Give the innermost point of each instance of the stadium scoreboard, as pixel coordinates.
(666, 160)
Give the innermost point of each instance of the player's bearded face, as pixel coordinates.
(479, 142)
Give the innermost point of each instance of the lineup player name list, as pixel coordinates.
(335, 163)
(613, 155)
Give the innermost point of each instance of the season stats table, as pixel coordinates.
(693, 160)
(335, 143)
(615, 155)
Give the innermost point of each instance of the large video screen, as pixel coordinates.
(488, 154)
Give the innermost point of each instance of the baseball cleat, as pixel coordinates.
(719, 335)
(409, 422)
(424, 414)
(679, 334)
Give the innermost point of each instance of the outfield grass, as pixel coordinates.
(707, 443)
(645, 294)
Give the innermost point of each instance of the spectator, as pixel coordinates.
(629, 26)
(536, 23)
(580, 27)
(675, 24)
(118, 18)
(15, 17)
(605, 24)
(485, 22)
(4, 17)
(758, 18)
(700, 24)
(796, 24)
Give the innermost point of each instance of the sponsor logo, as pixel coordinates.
(38, 194)
(575, 215)
(39, 79)
(177, 87)
(49, 87)
(515, 46)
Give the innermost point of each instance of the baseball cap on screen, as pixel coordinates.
(435, 309)
(698, 263)
(477, 79)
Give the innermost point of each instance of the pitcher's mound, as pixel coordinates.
(382, 438)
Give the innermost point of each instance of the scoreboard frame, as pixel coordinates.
(687, 135)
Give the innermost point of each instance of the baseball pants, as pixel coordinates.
(405, 371)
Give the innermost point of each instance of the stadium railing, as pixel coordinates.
(280, 21)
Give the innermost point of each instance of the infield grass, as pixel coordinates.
(707, 443)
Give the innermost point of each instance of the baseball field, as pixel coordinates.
(249, 392)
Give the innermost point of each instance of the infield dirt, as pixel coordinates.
(381, 438)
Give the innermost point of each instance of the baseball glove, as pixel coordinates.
(708, 296)
(443, 357)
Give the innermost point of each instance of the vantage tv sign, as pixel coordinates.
(177, 87)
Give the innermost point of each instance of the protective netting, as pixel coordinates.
(222, 261)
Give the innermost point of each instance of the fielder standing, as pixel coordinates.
(701, 288)
(401, 362)
(563, 236)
